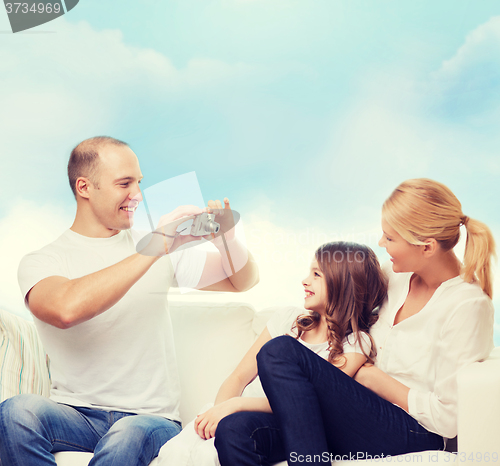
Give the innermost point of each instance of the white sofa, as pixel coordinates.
(211, 339)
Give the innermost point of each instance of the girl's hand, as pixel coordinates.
(206, 423)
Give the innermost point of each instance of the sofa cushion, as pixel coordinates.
(23, 363)
(210, 340)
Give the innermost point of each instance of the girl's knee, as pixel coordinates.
(276, 349)
(234, 426)
(227, 426)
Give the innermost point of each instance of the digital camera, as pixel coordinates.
(204, 224)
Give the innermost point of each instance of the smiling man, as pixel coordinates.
(105, 327)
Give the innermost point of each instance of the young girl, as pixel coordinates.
(344, 286)
(438, 317)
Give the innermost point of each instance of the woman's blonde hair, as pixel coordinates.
(420, 209)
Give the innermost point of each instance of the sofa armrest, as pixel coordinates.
(479, 407)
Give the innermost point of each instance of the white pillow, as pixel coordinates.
(210, 340)
(23, 363)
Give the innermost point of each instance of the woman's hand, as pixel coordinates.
(383, 385)
(364, 374)
(206, 423)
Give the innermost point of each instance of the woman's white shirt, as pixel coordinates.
(425, 351)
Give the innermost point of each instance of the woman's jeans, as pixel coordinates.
(319, 414)
(33, 427)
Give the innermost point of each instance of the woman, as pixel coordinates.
(438, 317)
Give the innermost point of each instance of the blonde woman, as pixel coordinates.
(437, 318)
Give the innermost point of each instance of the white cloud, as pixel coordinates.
(58, 88)
(466, 86)
(477, 60)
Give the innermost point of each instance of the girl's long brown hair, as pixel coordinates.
(356, 287)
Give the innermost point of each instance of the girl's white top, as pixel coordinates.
(282, 323)
(426, 350)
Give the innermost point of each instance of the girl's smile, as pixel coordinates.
(315, 289)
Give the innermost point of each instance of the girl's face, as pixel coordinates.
(405, 257)
(316, 298)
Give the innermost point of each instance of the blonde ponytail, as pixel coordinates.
(479, 250)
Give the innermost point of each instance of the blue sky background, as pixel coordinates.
(305, 113)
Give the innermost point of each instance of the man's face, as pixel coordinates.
(118, 177)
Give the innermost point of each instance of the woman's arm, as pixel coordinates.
(383, 385)
(353, 362)
(228, 399)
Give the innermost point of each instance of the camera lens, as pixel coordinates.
(210, 227)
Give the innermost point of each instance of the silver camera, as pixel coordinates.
(204, 224)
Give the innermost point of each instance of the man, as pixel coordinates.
(102, 320)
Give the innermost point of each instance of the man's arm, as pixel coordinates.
(217, 274)
(64, 303)
(233, 269)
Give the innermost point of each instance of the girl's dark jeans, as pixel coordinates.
(319, 414)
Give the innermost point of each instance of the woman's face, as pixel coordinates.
(405, 257)
(316, 297)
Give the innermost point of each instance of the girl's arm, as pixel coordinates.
(228, 399)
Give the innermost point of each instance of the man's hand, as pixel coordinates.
(206, 423)
(166, 238)
(223, 216)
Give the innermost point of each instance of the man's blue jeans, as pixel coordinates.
(33, 427)
(319, 413)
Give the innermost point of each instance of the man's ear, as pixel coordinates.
(430, 247)
(82, 186)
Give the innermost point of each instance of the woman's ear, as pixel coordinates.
(430, 247)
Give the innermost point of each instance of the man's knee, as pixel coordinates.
(143, 429)
(135, 439)
(23, 410)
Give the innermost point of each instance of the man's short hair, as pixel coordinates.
(84, 159)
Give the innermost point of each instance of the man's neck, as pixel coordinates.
(91, 229)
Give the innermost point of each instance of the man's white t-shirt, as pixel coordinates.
(123, 359)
